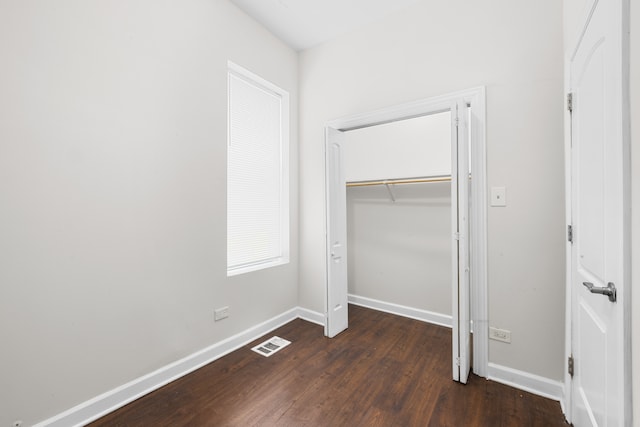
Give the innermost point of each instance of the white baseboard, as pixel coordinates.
(528, 382)
(401, 310)
(105, 403)
(563, 407)
(311, 316)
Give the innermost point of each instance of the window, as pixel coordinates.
(257, 173)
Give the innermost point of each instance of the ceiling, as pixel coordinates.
(307, 23)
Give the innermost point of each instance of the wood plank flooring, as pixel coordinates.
(384, 370)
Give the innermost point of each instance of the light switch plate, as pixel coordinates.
(498, 196)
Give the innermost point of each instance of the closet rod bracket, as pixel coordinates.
(390, 190)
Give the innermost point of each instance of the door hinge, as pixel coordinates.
(570, 366)
(456, 236)
(457, 361)
(570, 102)
(570, 233)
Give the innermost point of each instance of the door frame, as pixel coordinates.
(476, 98)
(625, 287)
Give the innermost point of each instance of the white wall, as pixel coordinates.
(432, 48)
(112, 187)
(415, 147)
(400, 252)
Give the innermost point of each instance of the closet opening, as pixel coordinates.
(399, 249)
(405, 219)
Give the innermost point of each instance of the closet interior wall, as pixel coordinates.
(399, 235)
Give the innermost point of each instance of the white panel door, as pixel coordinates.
(337, 302)
(461, 333)
(597, 260)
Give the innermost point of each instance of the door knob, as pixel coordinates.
(609, 290)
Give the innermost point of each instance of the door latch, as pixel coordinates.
(609, 290)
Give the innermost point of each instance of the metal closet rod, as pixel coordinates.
(416, 180)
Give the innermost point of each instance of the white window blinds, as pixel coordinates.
(257, 178)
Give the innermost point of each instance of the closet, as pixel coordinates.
(399, 216)
(393, 163)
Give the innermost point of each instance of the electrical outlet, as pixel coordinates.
(500, 335)
(221, 313)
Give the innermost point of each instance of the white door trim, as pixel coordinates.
(476, 98)
(625, 287)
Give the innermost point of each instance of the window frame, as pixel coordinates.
(234, 70)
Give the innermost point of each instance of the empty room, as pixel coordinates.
(319, 213)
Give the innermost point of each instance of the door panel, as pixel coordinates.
(593, 352)
(591, 173)
(461, 332)
(597, 255)
(337, 298)
(464, 296)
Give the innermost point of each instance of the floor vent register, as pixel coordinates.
(271, 346)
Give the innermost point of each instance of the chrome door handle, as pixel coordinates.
(609, 291)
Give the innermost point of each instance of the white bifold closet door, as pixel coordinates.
(461, 315)
(337, 304)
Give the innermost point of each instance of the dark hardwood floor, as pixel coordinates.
(384, 370)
